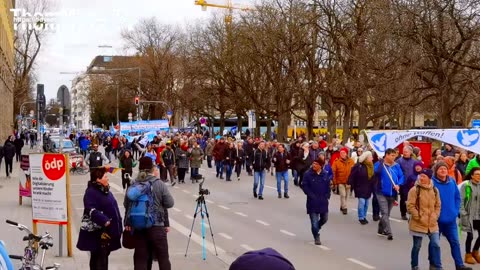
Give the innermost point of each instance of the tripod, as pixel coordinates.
(203, 211)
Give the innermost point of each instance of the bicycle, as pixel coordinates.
(79, 168)
(31, 250)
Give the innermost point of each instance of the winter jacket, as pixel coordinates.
(383, 183)
(106, 209)
(209, 149)
(196, 157)
(9, 150)
(230, 156)
(240, 156)
(361, 184)
(182, 158)
(475, 162)
(302, 162)
(424, 208)
(408, 168)
(259, 160)
(314, 153)
(317, 188)
(19, 143)
(248, 148)
(219, 151)
(450, 197)
(294, 150)
(462, 167)
(127, 163)
(341, 170)
(167, 157)
(469, 208)
(280, 161)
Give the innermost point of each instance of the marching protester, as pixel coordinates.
(407, 163)
(259, 159)
(219, 155)
(196, 157)
(96, 159)
(470, 215)
(209, 152)
(462, 163)
(424, 207)
(101, 208)
(9, 154)
(361, 181)
(127, 163)
(107, 145)
(341, 171)
(229, 161)
(281, 160)
(167, 161)
(240, 159)
(182, 155)
(303, 161)
(19, 143)
(316, 186)
(150, 233)
(389, 178)
(451, 201)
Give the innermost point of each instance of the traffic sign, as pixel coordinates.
(476, 123)
(203, 121)
(169, 114)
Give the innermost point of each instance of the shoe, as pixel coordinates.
(404, 217)
(228, 179)
(317, 241)
(366, 221)
(216, 175)
(382, 234)
(255, 194)
(415, 268)
(174, 183)
(238, 178)
(221, 177)
(286, 196)
(344, 211)
(279, 195)
(376, 218)
(469, 258)
(476, 256)
(463, 267)
(362, 221)
(390, 237)
(260, 197)
(295, 183)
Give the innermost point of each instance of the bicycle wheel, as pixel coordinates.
(82, 171)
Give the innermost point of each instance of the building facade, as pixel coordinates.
(6, 67)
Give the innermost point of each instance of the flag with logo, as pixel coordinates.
(113, 170)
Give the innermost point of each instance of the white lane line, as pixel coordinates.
(262, 222)
(176, 209)
(361, 263)
(322, 247)
(188, 216)
(224, 207)
(226, 236)
(370, 213)
(246, 247)
(186, 191)
(175, 187)
(228, 259)
(241, 214)
(267, 186)
(287, 233)
(212, 202)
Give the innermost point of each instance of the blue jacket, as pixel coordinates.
(450, 198)
(317, 188)
(84, 143)
(384, 183)
(106, 208)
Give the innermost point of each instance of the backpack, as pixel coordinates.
(417, 203)
(141, 214)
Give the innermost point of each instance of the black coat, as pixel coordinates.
(259, 160)
(280, 161)
(9, 150)
(362, 186)
(18, 144)
(230, 156)
(301, 164)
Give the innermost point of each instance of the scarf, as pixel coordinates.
(102, 188)
(369, 166)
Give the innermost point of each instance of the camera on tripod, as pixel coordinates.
(202, 191)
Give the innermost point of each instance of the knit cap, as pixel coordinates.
(264, 259)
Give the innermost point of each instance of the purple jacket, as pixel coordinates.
(106, 208)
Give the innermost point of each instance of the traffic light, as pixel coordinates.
(137, 101)
(34, 122)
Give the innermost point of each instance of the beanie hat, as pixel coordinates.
(264, 259)
(364, 156)
(418, 163)
(427, 172)
(437, 166)
(146, 164)
(344, 149)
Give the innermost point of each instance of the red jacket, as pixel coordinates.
(159, 151)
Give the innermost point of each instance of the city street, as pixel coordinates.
(240, 223)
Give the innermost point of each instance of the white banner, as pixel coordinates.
(49, 188)
(381, 140)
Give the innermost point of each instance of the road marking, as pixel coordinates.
(176, 209)
(287, 233)
(224, 207)
(267, 186)
(321, 246)
(175, 187)
(226, 236)
(210, 201)
(241, 214)
(361, 263)
(247, 247)
(186, 191)
(370, 213)
(197, 239)
(188, 216)
(262, 222)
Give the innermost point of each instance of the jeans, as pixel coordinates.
(193, 172)
(317, 221)
(151, 240)
(362, 208)
(434, 252)
(229, 169)
(259, 176)
(386, 205)
(219, 167)
(295, 176)
(209, 161)
(99, 259)
(450, 231)
(282, 175)
(375, 206)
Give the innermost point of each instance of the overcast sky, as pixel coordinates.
(84, 25)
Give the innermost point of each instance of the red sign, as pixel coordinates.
(54, 166)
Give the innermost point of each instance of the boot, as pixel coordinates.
(279, 195)
(469, 259)
(317, 240)
(476, 256)
(286, 195)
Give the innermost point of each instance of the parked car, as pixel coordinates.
(68, 146)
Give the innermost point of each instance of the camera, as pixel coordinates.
(202, 191)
